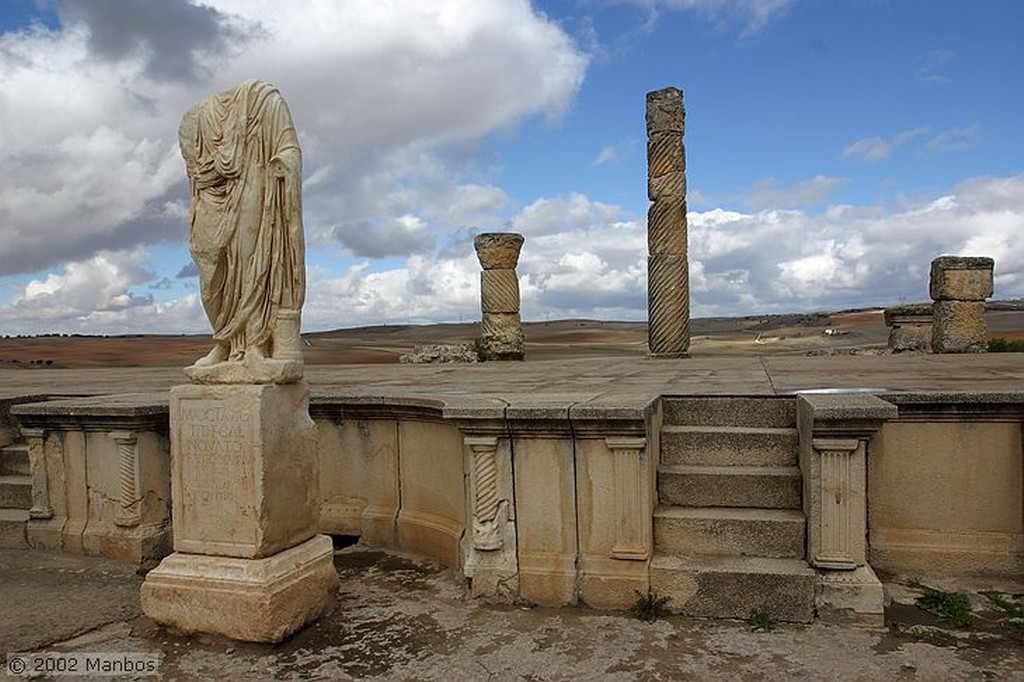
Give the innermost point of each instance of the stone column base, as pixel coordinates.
(255, 600)
(850, 597)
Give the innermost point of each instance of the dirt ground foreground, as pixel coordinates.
(401, 618)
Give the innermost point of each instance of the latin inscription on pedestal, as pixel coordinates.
(215, 441)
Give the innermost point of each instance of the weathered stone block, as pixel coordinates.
(665, 154)
(910, 327)
(914, 338)
(499, 291)
(498, 250)
(959, 327)
(502, 336)
(665, 111)
(666, 227)
(668, 305)
(914, 313)
(669, 185)
(244, 472)
(956, 278)
(255, 600)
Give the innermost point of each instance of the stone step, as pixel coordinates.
(14, 460)
(777, 533)
(728, 446)
(732, 486)
(733, 587)
(15, 492)
(766, 412)
(12, 528)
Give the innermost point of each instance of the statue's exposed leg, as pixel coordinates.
(218, 354)
(255, 353)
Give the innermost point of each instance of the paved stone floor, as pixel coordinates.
(399, 618)
(584, 380)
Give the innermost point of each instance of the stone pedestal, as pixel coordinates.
(959, 287)
(502, 328)
(255, 600)
(910, 328)
(247, 563)
(668, 285)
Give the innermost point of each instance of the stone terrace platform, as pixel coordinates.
(611, 381)
(586, 480)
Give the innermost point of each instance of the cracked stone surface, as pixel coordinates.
(401, 618)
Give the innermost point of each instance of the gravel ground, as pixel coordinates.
(401, 618)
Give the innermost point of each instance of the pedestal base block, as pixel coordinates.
(850, 597)
(254, 600)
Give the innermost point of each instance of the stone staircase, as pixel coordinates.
(15, 495)
(729, 530)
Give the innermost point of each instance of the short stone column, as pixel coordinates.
(502, 328)
(910, 328)
(959, 286)
(668, 284)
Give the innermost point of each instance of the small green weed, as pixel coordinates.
(649, 607)
(478, 348)
(1001, 345)
(760, 621)
(952, 607)
(1015, 610)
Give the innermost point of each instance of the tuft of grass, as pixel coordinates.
(1014, 610)
(478, 348)
(1002, 345)
(649, 607)
(760, 621)
(952, 607)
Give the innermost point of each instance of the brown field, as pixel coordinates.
(793, 334)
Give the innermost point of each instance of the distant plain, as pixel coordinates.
(787, 334)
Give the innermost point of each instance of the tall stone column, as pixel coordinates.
(502, 328)
(668, 286)
(959, 287)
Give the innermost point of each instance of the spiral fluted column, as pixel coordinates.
(502, 328)
(668, 285)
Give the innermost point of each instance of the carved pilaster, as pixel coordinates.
(489, 511)
(840, 543)
(129, 511)
(41, 507)
(632, 499)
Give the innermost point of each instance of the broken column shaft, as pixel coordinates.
(502, 328)
(668, 286)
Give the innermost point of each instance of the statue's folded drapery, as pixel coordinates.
(245, 168)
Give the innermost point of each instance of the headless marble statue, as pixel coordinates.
(245, 171)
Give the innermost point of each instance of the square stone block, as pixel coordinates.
(244, 470)
(255, 600)
(959, 327)
(966, 278)
(665, 111)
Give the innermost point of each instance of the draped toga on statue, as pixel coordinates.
(245, 169)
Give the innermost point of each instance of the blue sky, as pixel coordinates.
(833, 149)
